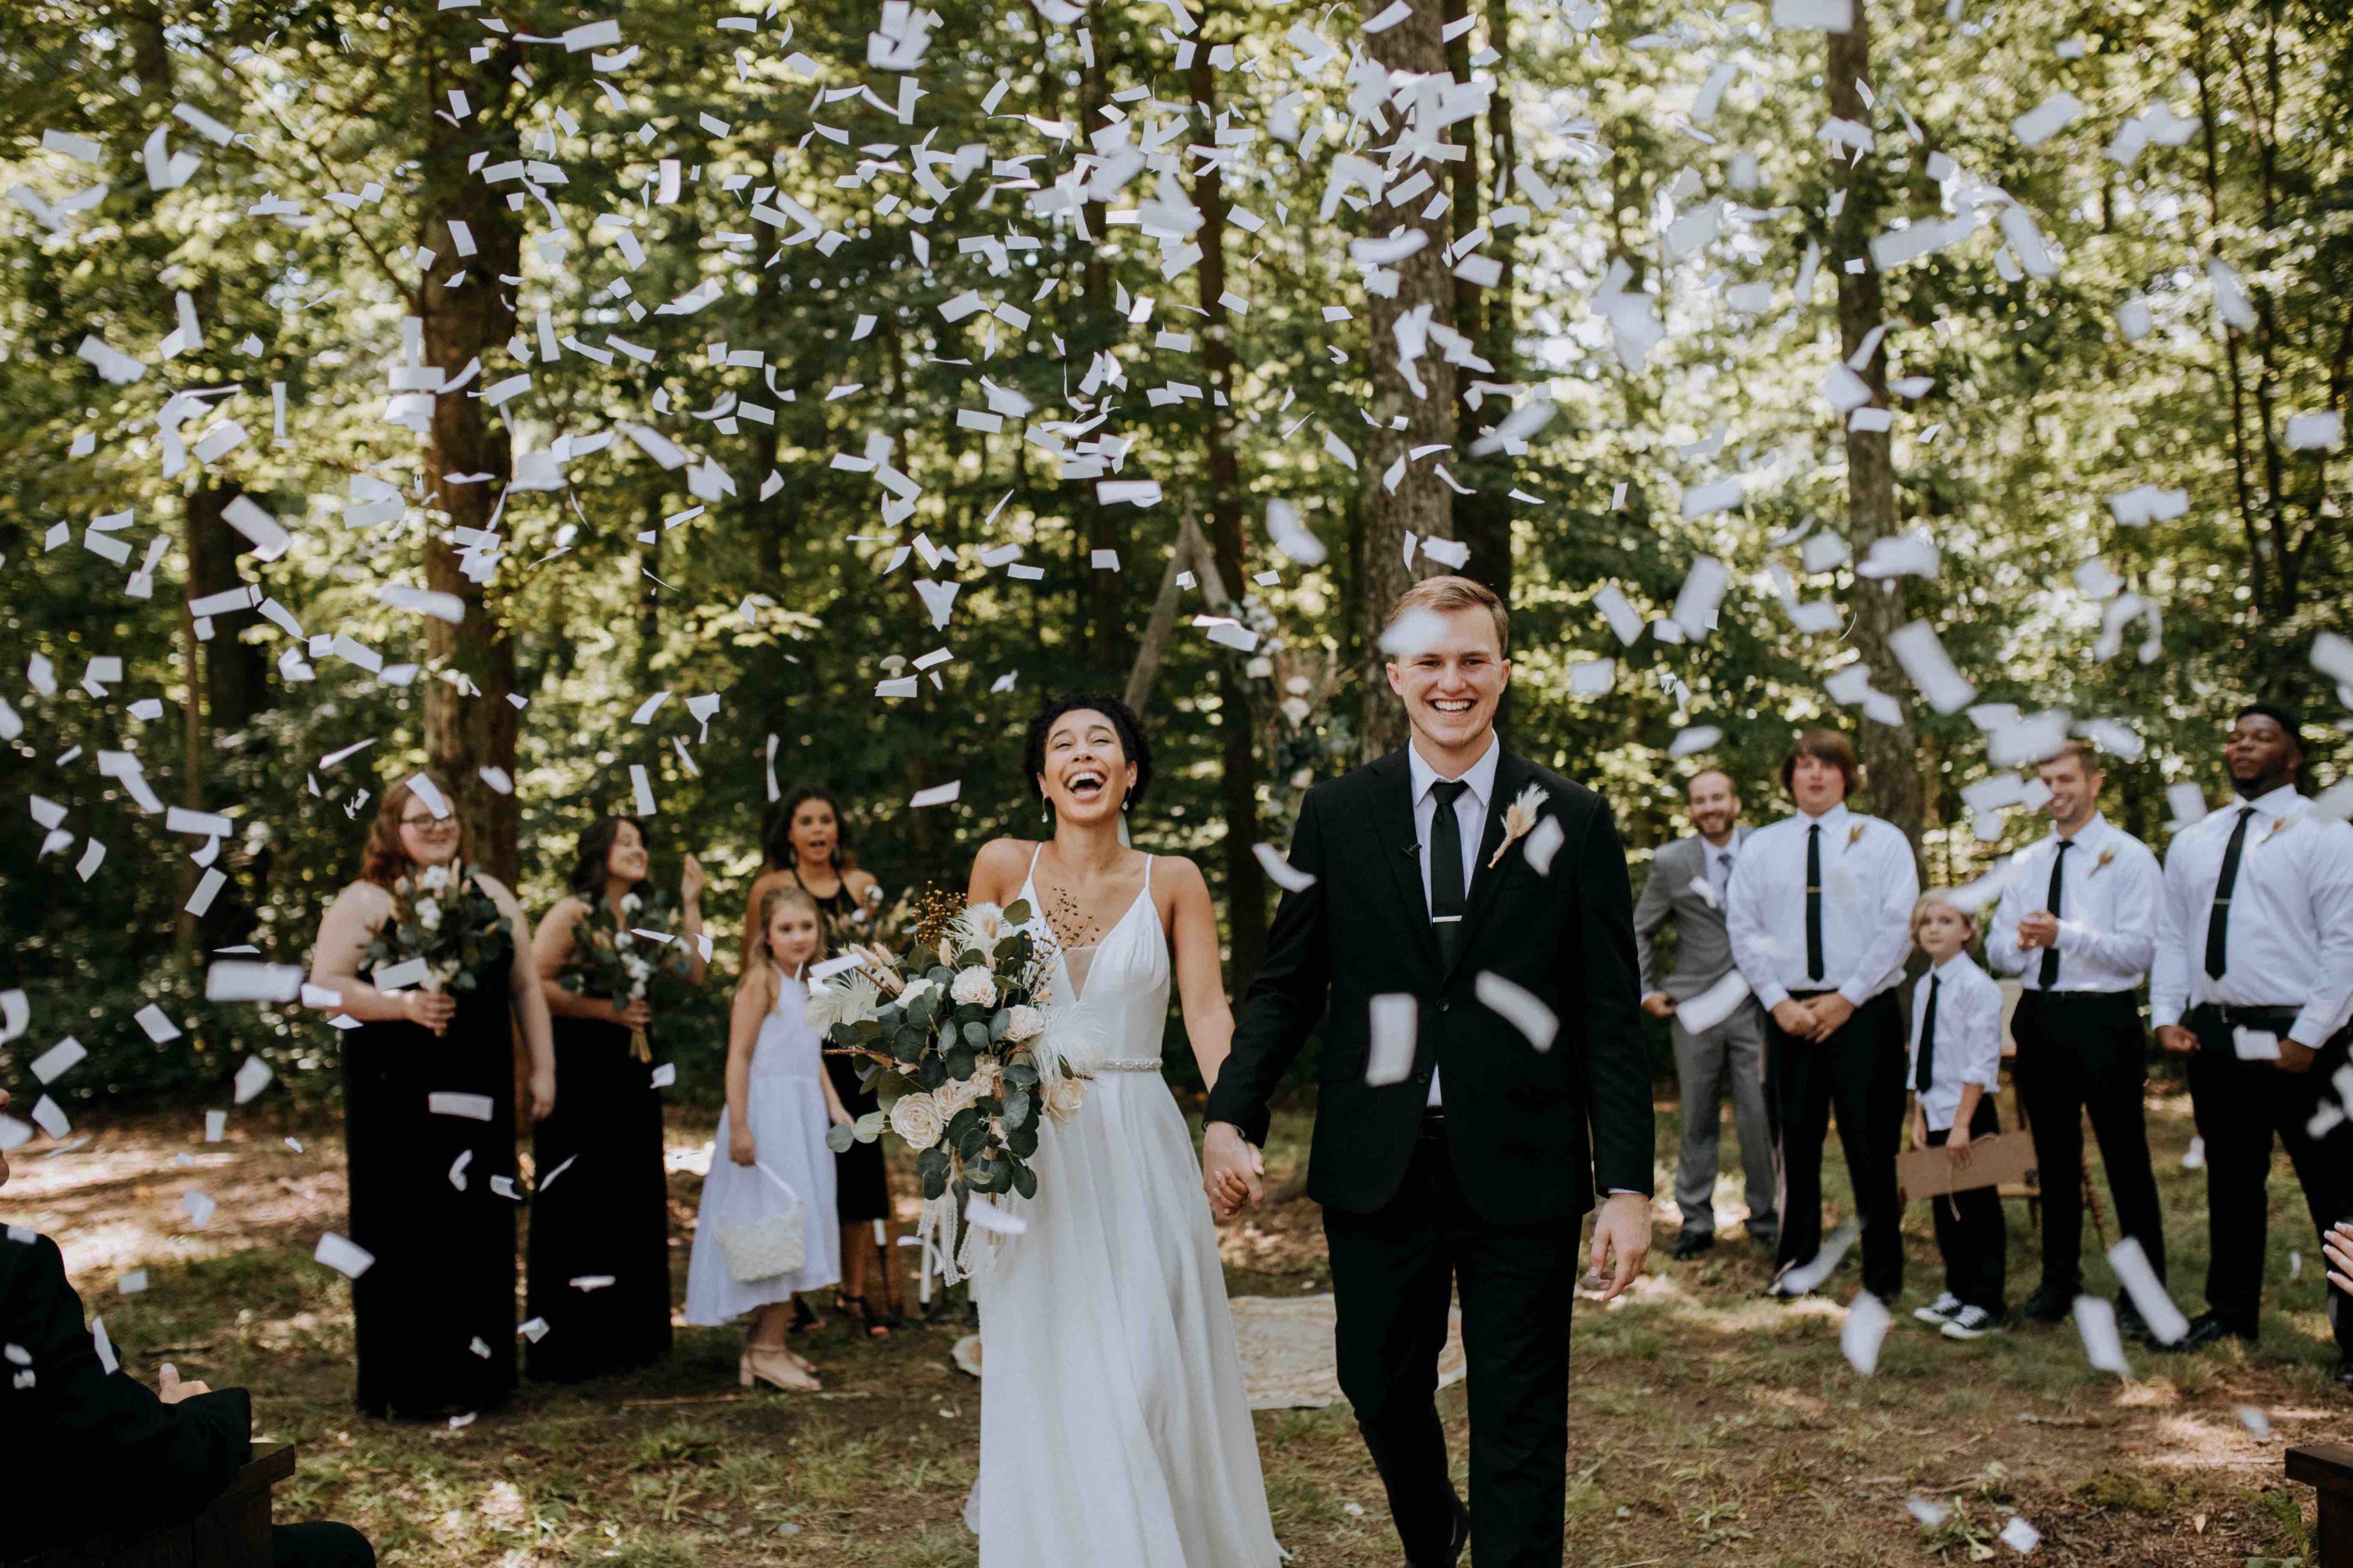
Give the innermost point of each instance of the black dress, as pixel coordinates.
(861, 1185)
(601, 1210)
(433, 1318)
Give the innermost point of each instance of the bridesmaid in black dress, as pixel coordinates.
(804, 846)
(600, 1218)
(433, 1318)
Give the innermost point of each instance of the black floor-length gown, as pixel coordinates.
(861, 1182)
(601, 1210)
(433, 1318)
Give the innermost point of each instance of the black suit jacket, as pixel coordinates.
(90, 1452)
(1532, 1134)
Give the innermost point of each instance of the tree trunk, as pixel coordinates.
(1483, 520)
(469, 722)
(1245, 879)
(1102, 601)
(227, 683)
(1889, 752)
(1421, 503)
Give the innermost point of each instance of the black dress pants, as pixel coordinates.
(2240, 1106)
(1393, 1271)
(1858, 1069)
(2078, 1052)
(1971, 1233)
(320, 1545)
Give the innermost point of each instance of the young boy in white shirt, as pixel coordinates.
(1954, 1069)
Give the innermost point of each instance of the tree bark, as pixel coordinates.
(1102, 601)
(1483, 520)
(227, 681)
(1238, 782)
(1421, 504)
(469, 722)
(1889, 752)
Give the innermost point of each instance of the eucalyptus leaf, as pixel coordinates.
(838, 1138)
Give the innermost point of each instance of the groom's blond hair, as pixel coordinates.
(1447, 595)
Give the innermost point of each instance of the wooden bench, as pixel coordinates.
(2328, 1469)
(233, 1531)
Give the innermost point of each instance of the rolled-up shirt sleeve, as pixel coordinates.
(2169, 970)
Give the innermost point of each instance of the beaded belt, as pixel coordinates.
(1120, 1063)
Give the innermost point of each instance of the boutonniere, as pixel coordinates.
(2101, 864)
(2279, 825)
(1854, 835)
(1519, 819)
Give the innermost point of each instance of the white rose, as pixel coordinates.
(1063, 1100)
(630, 902)
(1026, 1024)
(915, 988)
(955, 1094)
(435, 878)
(916, 1118)
(974, 987)
(985, 1075)
(428, 913)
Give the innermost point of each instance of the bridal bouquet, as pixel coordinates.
(620, 956)
(443, 932)
(953, 1039)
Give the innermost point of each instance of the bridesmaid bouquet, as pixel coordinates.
(620, 956)
(953, 1039)
(443, 932)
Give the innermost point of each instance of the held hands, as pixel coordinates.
(2040, 929)
(740, 1148)
(2339, 1245)
(1233, 1172)
(690, 885)
(1794, 1017)
(543, 1093)
(1816, 1020)
(1621, 1238)
(171, 1389)
(1659, 1005)
(2177, 1039)
(432, 1010)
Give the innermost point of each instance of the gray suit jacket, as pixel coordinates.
(1703, 948)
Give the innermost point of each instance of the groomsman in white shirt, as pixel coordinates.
(1687, 883)
(2077, 925)
(1819, 915)
(2254, 980)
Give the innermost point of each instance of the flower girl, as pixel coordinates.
(771, 1172)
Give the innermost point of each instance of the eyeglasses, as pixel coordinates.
(429, 824)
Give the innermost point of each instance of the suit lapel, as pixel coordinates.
(1400, 849)
(1512, 774)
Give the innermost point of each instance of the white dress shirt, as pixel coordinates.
(2291, 931)
(2108, 896)
(1470, 821)
(1969, 1037)
(1869, 884)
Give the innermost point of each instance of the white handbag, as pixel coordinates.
(775, 1243)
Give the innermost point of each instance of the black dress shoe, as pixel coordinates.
(1691, 1244)
(2130, 1323)
(2206, 1329)
(2048, 1305)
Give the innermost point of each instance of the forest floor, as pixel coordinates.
(1708, 1425)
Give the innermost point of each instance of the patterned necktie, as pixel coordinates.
(1814, 965)
(2218, 923)
(2048, 975)
(1925, 1073)
(1446, 882)
(1722, 877)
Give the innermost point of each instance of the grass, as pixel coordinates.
(1708, 1425)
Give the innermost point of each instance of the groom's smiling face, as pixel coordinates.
(1451, 675)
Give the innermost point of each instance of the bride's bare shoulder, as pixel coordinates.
(1000, 865)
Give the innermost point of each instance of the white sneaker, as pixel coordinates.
(1971, 1323)
(1940, 1311)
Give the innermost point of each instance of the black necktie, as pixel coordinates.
(2049, 975)
(1924, 1073)
(2218, 924)
(1446, 882)
(1814, 966)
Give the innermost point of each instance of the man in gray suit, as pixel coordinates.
(1686, 885)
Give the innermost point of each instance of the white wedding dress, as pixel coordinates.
(1113, 1429)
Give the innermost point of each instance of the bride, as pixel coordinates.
(1113, 1428)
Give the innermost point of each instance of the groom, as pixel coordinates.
(1454, 1144)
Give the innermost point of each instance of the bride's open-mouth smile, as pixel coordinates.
(1086, 784)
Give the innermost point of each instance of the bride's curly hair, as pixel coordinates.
(1132, 747)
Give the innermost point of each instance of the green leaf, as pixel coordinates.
(976, 1034)
(936, 1184)
(907, 1045)
(932, 1162)
(931, 1072)
(1018, 1109)
(1023, 1143)
(1021, 1074)
(1017, 912)
(1025, 1180)
(869, 1127)
(838, 1138)
(960, 1061)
